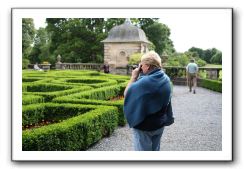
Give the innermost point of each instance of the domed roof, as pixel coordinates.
(126, 32)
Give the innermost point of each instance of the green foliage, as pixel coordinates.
(135, 58)
(173, 62)
(40, 51)
(201, 62)
(182, 59)
(28, 33)
(202, 74)
(119, 104)
(29, 79)
(74, 134)
(216, 58)
(111, 22)
(79, 39)
(158, 34)
(43, 87)
(31, 99)
(213, 66)
(209, 55)
(173, 72)
(220, 75)
(25, 63)
(72, 36)
(78, 108)
(32, 114)
(151, 47)
(35, 113)
(104, 93)
(214, 85)
(51, 91)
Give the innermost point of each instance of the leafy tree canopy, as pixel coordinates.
(79, 39)
(209, 55)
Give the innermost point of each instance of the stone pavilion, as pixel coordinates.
(123, 41)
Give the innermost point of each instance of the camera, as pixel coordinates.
(134, 67)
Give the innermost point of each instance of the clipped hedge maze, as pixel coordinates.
(69, 110)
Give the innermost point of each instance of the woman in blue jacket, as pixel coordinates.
(147, 105)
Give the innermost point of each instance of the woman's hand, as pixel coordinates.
(135, 73)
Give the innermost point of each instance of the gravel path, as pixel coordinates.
(197, 127)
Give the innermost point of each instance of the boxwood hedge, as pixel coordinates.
(35, 113)
(73, 134)
(211, 84)
(77, 104)
(31, 99)
(119, 104)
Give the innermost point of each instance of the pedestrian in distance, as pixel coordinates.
(106, 68)
(36, 67)
(191, 75)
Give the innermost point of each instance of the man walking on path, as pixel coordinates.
(191, 72)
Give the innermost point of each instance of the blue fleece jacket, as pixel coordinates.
(146, 96)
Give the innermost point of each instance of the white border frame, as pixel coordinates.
(19, 155)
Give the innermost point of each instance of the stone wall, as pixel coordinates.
(117, 54)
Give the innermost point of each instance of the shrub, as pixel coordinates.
(87, 81)
(25, 63)
(74, 134)
(211, 84)
(201, 63)
(104, 93)
(48, 96)
(85, 116)
(35, 113)
(32, 114)
(25, 79)
(119, 104)
(46, 87)
(31, 99)
(135, 58)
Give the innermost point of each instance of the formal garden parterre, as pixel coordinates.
(70, 110)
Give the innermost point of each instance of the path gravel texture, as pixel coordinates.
(197, 127)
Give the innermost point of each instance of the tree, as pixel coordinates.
(145, 22)
(208, 54)
(201, 62)
(183, 60)
(135, 58)
(40, 51)
(77, 40)
(217, 58)
(199, 51)
(111, 22)
(158, 34)
(28, 33)
(54, 28)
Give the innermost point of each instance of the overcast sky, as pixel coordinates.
(188, 29)
(198, 29)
